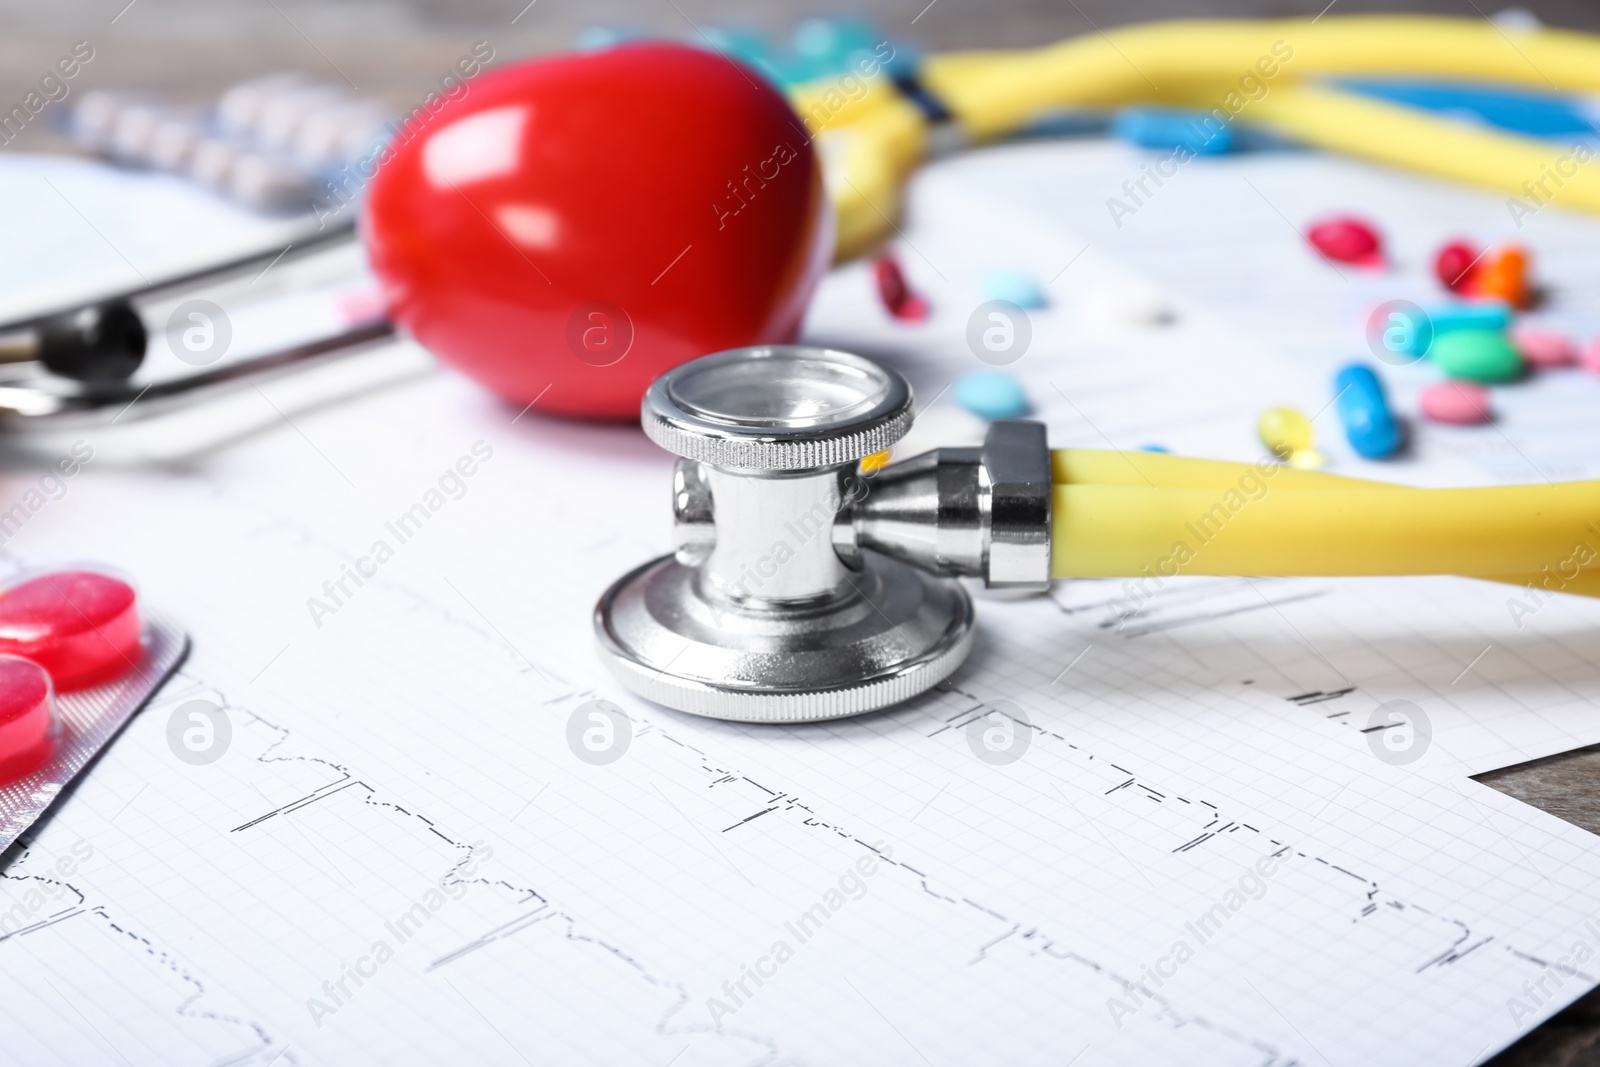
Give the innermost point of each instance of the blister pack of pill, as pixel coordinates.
(77, 660)
(270, 143)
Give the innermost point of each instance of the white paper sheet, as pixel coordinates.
(1262, 321)
(399, 775)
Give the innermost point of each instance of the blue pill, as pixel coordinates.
(1487, 315)
(829, 43)
(1154, 448)
(991, 395)
(750, 46)
(1016, 286)
(1167, 129)
(1364, 410)
(596, 38)
(1404, 333)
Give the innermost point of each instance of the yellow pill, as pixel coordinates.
(1286, 432)
(1308, 459)
(874, 462)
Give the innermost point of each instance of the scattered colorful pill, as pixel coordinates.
(1289, 436)
(1127, 303)
(360, 306)
(1347, 239)
(598, 38)
(1364, 410)
(1309, 459)
(830, 44)
(1455, 403)
(1544, 348)
(1589, 358)
(1169, 129)
(1484, 314)
(81, 626)
(991, 395)
(1476, 354)
(26, 717)
(1015, 286)
(1455, 264)
(1503, 275)
(1401, 328)
(895, 292)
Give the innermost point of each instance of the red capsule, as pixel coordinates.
(27, 714)
(1347, 239)
(895, 292)
(1455, 264)
(81, 626)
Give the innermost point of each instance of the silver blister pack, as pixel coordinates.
(86, 721)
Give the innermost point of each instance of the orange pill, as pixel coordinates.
(1504, 276)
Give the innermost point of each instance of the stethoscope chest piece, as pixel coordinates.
(771, 610)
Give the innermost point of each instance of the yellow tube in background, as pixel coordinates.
(1257, 71)
(1135, 514)
(1412, 139)
(865, 166)
(992, 95)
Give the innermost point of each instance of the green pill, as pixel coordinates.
(1477, 355)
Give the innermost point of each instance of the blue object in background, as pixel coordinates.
(903, 62)
(1482, 315)
(1532, 113)
(595, 38)
(829, 44)
(1154, 448)
(1168, 128)
(1442, 319)
(991, 395)
(1015, 286)
(752, 48)
(1364, 410)
(822, 48)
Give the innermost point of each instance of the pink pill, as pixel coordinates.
(1347, 239)
(1590, 356)
(1455, 403)
(1544, 348)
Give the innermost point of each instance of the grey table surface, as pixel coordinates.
(190, 50)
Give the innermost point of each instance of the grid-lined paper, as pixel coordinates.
(412, 750)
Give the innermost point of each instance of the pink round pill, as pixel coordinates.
(1590, 356)
(1543, 348)
(1455, 403)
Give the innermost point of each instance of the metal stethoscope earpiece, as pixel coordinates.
(76, 365)
(800, 591)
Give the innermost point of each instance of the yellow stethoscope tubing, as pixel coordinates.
(1142, 514)
(870, 145)
(1132, 514)
(992, 94)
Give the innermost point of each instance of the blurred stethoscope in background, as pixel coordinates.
(79, 362)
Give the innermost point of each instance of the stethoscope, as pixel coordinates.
(802, 588)
(77, 364)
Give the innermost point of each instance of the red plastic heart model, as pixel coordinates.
(570, 228)
(80, 626)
